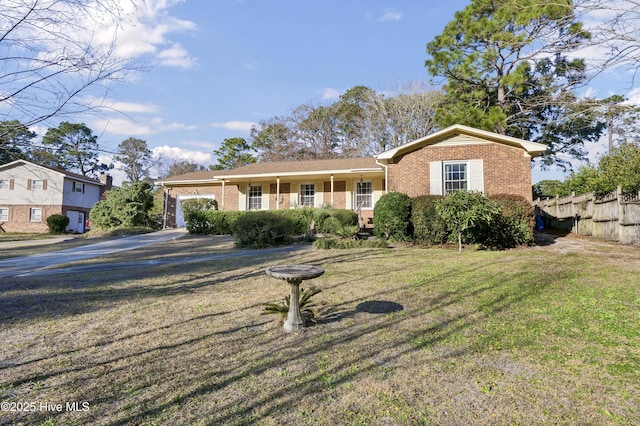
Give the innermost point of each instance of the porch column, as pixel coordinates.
(332, 204)
(222, 194)
(277, 192)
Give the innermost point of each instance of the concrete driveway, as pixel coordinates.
(22, 265)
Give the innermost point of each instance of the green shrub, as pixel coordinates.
(127, 206)
(513, 225)
(392, 217)
(346, 217)
(57, 223)
(191, 205)
(300, 219)
(428, 227)
(262, 229)
(468, 215)
(212, 222)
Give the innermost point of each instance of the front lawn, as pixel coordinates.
(405, 336)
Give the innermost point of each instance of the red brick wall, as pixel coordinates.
(339, 194)
(506, 169)
(285, 197)
(20, 221)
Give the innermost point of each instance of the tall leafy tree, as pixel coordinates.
(135, 156)
(73, 147)
(507, 70)
(234, 152)
(15, 141)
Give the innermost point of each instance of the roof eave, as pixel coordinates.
(532, 148)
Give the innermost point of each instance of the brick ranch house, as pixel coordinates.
(30, 193)
(455, 158)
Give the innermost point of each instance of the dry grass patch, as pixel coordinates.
(405, 336)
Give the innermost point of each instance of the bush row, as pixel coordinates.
(257, 229)
(496, 222)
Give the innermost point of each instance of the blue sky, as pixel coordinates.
(217, 67)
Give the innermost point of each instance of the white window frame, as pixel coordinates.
(453, 176)
(78, 187)
(254, 200)
(367, 196)
(4, 214)
(304, 196)
(5, 184)
(37, 184)
(35, 214)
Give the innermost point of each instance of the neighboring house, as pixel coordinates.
(30, 193)
(455, 158)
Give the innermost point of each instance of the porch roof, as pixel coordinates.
(306, 168)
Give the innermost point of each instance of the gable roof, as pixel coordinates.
(64, 173)
(532, 148)
(283, 168)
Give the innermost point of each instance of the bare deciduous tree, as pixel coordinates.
(51, 51)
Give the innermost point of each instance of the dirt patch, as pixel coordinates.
(609, 252)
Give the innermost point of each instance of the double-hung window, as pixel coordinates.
(35, 214)
(78, 187)
(255, 197)
(4, 184)
(307, 195)
(37, 185)
(456, 177)
(4, 214)
(364, 195)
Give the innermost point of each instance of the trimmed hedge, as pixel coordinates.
(392, 217)
(259, 229)
(57, 223)
(212, 222)
(428, 227)
(514, 225)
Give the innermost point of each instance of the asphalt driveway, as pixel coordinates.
(17, 266)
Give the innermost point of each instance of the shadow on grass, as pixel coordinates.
(258, 353)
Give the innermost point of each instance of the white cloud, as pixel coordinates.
(390, 15)
(177, 56)
(119, 106)
(125, 126)
(177, 153)
(242, 126)
(249, 66)
(633, 97)
(330, 93)
(134, 30)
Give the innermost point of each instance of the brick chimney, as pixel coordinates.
(107, 181)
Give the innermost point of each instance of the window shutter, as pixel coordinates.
(73, 187)
(29, 184)
(10, 184)
(476, 175)
(435, 178)
(83, 185)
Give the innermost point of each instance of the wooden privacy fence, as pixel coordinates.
(614, 217)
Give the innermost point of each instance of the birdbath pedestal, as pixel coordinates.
(294, 275)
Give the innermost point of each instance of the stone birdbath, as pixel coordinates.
(294, 275)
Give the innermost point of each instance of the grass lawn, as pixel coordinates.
(405, 336)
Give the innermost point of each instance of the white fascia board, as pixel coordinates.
(533, 148)
(307, 173)
(188, 182)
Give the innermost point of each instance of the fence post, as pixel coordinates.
(620, 213)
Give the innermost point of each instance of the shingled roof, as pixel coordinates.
(335, 165)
